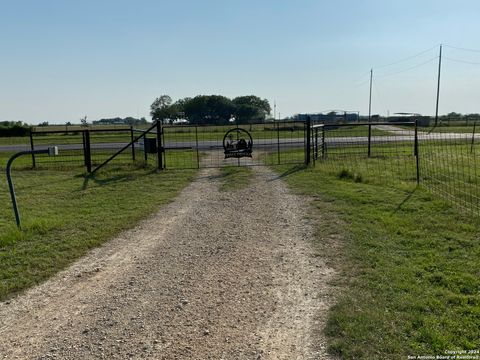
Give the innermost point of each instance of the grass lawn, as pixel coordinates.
(64, 214)
(409, 278)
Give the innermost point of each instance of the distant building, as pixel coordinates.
(331, 117)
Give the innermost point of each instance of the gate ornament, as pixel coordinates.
(237, 143)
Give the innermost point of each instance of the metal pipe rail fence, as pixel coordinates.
(85, 147)
(443, 159)
(179, 146)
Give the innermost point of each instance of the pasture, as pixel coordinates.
(409, 282)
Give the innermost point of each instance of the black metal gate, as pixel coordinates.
(196, 146)
(179, 146)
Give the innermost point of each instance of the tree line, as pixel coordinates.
(211, 109)
(13, 128)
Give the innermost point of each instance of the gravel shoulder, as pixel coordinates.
(213, 275)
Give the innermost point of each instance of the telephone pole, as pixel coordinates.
(438, 84)
(370, 98)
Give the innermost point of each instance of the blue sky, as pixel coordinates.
(61, 60)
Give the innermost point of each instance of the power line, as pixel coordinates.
(463, 49)
(362, 76)
(407, 58)
(462, 61)
(363, 82)
(408, 69)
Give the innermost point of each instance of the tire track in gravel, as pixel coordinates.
(213, 275)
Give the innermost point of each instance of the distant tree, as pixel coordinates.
(251, 108)
(68, 123)
(161, 108)
(45, 123)
(83, 121)
(13, 128)
(209, 109)
(179, 107)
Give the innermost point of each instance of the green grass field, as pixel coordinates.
(65, 213)
(409, 282)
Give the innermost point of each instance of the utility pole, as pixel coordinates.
(370, 98)
(274, 109)
(438, 84)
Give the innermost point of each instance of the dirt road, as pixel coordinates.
(213, 275)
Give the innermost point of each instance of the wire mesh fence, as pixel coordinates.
(374, 153)
(449, 158)
(444, 158)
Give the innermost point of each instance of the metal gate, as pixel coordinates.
(197, 146)
(181, 146)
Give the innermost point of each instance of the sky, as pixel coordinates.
(61, 60)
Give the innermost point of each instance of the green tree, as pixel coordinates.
(209, 109)
(161, 108)
(83, 121)
(250, 109)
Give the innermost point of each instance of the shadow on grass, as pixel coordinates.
(290, 171)
(103, 182)
(125, 175)
(404, 201)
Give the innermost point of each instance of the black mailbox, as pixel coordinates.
(150, 145)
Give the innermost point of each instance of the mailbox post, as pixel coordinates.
(51, 151)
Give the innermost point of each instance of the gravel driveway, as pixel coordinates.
(213, 275)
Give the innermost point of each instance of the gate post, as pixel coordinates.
(86, 152)
(196, 145)
(133, 144)
(308, 124)
(32, 147)
(417, 160)
(369, 139)
(278, 141)
(323, 142)
(159, 147)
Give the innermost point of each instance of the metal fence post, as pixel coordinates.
(196, 146)
(324, 147)
(308, 144)
(473, 137)
(159, 147)
(87, 152)
(278, 142)
(133, 144)
(417, 156)
(369, 140)
(32, 147)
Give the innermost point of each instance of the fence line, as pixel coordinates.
(444, 162)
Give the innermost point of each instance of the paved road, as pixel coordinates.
(202, 145)
(397, 135)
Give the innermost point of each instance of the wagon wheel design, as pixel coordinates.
(237, 143)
